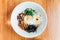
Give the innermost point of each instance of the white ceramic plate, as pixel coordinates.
(18, 9)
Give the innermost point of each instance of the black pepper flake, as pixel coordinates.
(36, 19)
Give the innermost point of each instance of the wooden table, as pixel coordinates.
(52, 8)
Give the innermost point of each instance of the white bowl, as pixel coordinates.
(18, 9)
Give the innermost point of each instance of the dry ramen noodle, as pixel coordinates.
(28, 20)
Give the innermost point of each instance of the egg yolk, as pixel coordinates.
(28, 18)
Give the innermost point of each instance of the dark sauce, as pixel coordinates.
(31, 28)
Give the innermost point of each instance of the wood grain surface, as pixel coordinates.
(52, 8)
